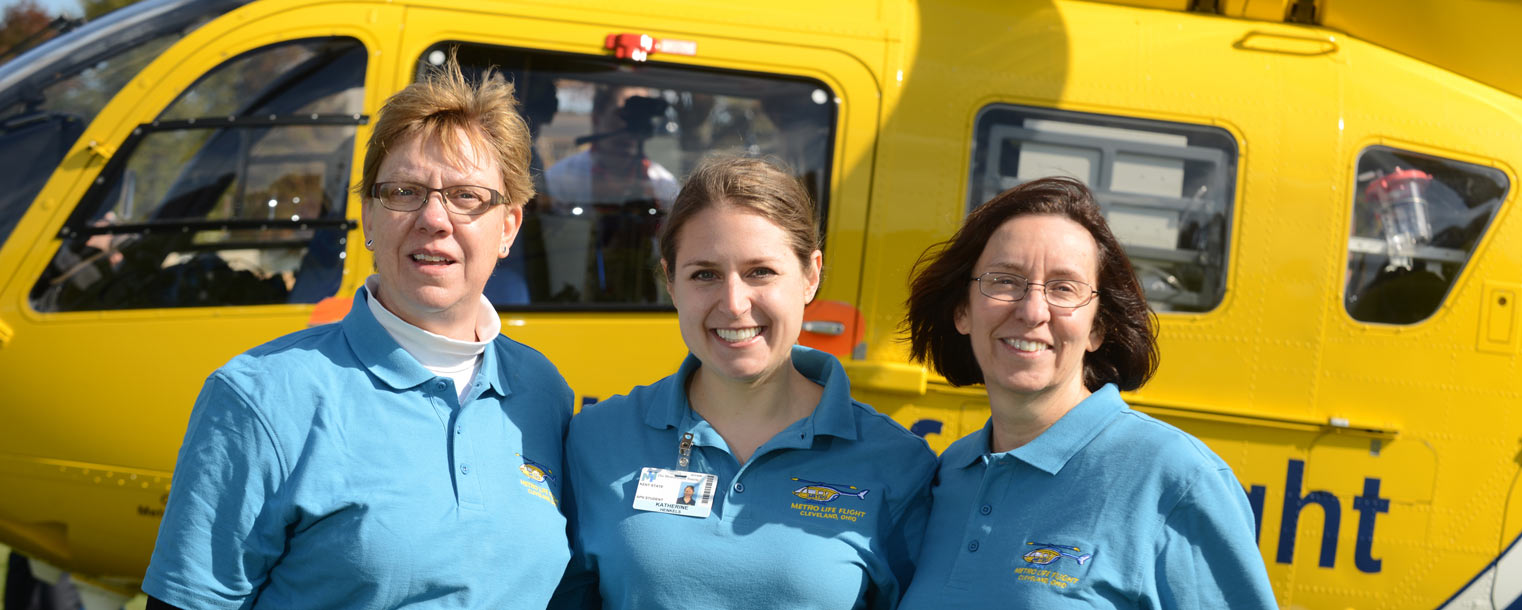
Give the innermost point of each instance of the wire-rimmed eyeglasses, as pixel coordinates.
(463, 199)
(1067, 294)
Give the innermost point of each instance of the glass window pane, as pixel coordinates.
(1416, 221)
(612, 141)
(240, 208)
(38, 130)
(1165, 188)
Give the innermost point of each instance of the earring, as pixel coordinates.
(369, 244)
(504, 250)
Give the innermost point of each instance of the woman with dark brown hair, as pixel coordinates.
(1067, 497)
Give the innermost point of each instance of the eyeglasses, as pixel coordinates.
(463, 199)
(1009, 287)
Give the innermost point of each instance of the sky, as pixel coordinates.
(53, 7)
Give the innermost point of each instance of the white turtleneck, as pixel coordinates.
(457, 360)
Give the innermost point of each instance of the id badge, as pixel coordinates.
(675, 492)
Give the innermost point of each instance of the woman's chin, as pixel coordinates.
(745, 370)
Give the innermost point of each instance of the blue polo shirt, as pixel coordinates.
(1108, 508)
(765, 545)
(329, 469)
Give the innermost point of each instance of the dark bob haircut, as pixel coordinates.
(939, 290)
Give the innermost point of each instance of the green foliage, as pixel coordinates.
(96, 8)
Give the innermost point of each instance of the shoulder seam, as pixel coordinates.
(247, 404)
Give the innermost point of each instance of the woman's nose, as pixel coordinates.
(736, 296)
(434, 215)
(1033, 309)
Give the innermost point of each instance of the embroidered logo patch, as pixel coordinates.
(1047, 553)
(824, 493)
(1044, 564)
(816, 491)
(536, 471)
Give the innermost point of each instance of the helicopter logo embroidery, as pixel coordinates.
(815, 491)
(1048, 553)
(534, 470)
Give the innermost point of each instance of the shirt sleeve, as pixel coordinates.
(905, 536)
(221, 533)
(1209, 556)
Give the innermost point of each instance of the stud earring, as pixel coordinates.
(504, 250)
(369, 244)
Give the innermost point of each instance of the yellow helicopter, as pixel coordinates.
(1319, 197)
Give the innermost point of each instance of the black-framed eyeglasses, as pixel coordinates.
(463, 199)
(1008, 287)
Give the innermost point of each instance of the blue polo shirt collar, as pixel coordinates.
(832, 416)
(1050, 451)
(385, 359)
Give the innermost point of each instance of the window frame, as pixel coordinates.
(79, 225)
(1365, 246)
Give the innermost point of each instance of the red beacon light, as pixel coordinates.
(638, 47)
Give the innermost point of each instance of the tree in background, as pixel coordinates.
(21, 22)
(96, 8)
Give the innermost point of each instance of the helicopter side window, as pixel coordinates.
(1416, 221)
(612, 142)
(234, 195)
(40, 125)
(1165, 188)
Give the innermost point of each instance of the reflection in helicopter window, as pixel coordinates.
(612, 142)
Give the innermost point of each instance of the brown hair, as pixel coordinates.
(755, 185)
(939, 290)
(442, 103)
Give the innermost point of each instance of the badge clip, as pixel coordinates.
(684, 450)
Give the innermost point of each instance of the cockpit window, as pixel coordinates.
(1416, 221)
(49, 94)
(234, 195)
(612, 142)
(38, 129)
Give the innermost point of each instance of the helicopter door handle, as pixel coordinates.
(1286, 44)
(824, 327)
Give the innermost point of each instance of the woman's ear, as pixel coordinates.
(815, 269)
(963, 325)
(666, 273)
(511, 222)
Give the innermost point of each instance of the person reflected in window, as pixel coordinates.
(1066, 497)
(613, 169)
(403, 456)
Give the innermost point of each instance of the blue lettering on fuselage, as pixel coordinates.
(1369, 506)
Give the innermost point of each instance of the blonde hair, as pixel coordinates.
(443, 104)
